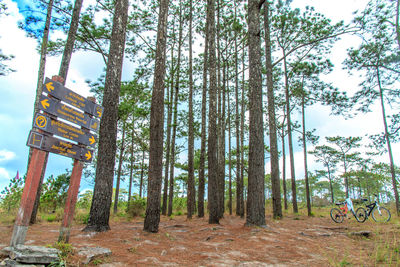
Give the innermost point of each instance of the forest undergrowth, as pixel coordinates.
(294, 240)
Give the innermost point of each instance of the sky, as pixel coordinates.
(18, 92)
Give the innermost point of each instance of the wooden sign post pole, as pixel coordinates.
(28, 197)
(42, 142)
(72, 197)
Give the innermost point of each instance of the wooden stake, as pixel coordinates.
(28, 197)
(70, 203)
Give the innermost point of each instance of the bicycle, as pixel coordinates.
(338, 214)
(378, 213)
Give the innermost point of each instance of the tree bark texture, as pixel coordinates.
(220, 119)
(102, 195)
(201, 189)
(175, 113)
(255, 196)
(229, 155)
(152, 218)
(240, 187)
(168, 144)
(289, 127)
(142, 174)
(69, 46)
(212, 116)
(221, 145)
(308, 197)
(284, 167)
(191, 199)
(238, 150)
(39, 90)
(273, 139)
(121, 160)
(389, 147)
(131, 161)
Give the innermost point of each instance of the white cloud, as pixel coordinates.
(6, 155)
(4, 176)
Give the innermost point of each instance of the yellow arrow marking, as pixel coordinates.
(94, 125)
(50, 86)
(45, 103)
(92, 140)
(88, 155)
(99, 113)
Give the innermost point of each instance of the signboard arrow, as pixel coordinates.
(64, 130)
(92, 140)
(45, 103)
(62, 93)
(58, 146)
(88, 155)
(49, 86)
(56, 108)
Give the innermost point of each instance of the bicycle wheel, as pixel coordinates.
(361, 215)
(381, 215)
(336, 215)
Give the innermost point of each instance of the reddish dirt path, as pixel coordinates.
(292, 241)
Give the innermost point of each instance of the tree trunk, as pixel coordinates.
(238, 150)
(102, 195)
(284, 168)
(152, 218)
(389, 147)
(69, 46)
(168, 141)
(229, 152)
(346, 179)
(39, 90)
(131, 161)
(255, 196)
(273, 140)
(203, 128)
(68, 49)
(308, 198)
(191, 200)
(121, 159)
(174, 126)
(289, 126)
(221, 145)
(142, 175)
(212, 128)
(220, 122)
(330, 185)
(242, 115)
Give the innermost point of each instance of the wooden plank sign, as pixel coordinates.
(59, 91)
(56, 108)
(64, 130)
(58, 146)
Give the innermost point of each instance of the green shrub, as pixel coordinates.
(136, 206)
(12, 194)
(179, 203)
(178, 213)
(81, 216)
(85, 199)
(54, 192)
(49, 217)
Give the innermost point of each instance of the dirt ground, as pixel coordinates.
(296, 240)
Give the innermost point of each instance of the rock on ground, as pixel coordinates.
(32, 254)
(90, 253)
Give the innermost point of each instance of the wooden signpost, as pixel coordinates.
(65, 130)
(58, 146)
(59, 103)
(63, 111)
